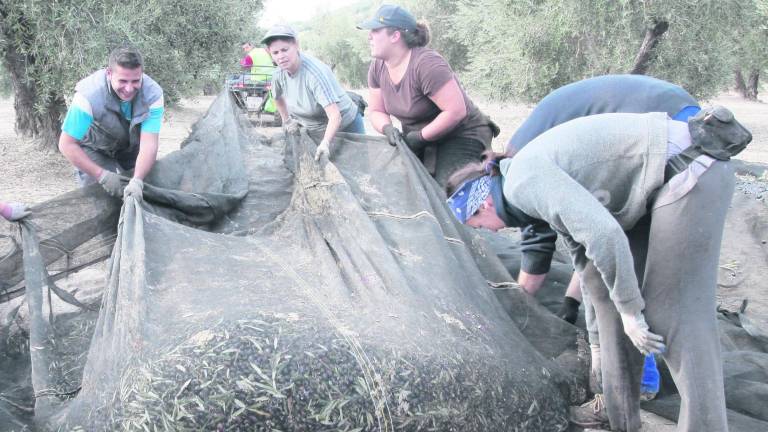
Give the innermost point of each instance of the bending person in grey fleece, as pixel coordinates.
(647, 244)
(596, 95)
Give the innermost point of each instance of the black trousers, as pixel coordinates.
(451, 155)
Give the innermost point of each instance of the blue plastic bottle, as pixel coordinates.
(651, 379)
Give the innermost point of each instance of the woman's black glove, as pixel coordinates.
(415, 141)
(392, 133)
(569, 310)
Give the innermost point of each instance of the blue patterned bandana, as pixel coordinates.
(469, 197)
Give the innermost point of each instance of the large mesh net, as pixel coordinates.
(257, 289)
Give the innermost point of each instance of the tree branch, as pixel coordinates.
(647, 49)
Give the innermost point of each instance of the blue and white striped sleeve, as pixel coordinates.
(323, 88)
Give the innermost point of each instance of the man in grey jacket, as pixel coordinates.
(112, 125)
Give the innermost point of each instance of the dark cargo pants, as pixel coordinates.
(451, 154)
(676, 253)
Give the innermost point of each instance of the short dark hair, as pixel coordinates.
(126, 56)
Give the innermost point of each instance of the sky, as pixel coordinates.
(277, 11)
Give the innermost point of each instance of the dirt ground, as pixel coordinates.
(33, 174)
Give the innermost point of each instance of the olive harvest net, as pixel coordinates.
(257, 289)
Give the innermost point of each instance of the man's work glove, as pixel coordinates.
(134, 189)
(14, 211)
(636, 329)
(415, 141)
(392, 133)
(111, 183)
(291, 126)
(323, 149)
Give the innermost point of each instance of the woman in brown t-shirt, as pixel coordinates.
(416, 85)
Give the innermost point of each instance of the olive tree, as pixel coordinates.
(334, 38)
(525, 48)
(751, 53)
(439, 15)
(46, 47)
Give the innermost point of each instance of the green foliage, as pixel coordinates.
(697, 52)
(533, 46)
(751, 37)
(439, 15)
(334, 38)
(523, 49)
(184, 42)
(502, 48)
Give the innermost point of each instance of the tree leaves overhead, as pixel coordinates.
(334, 38)
(58, 42)
(750, 39)
(525, 48)
(503, 49)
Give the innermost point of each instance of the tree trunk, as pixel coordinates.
(741, 87)
(647, 49)
(44, 125)
(752, 84)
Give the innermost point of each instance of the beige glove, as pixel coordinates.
(323, 149)
(134, 189)
(111, 183)
(291, 126)
(637, 330)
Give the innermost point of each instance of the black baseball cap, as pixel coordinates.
(389, 16)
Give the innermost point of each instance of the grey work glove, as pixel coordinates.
(291, 126)
(415, 141)
(323, 149)
(392, 133)
(111, 183)
(15, 211)
(134, 189)
(637, 330)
